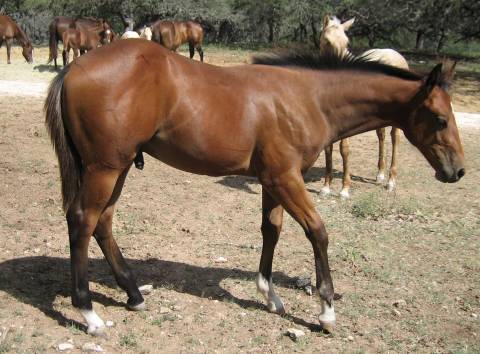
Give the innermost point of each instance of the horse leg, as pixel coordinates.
(272, 216)
(289, 189)
(82, 218)
(104, 236)
(139, 162)
(65, 56)
(328, 170)
(191, 48)
(345, 151)
(8, 42)
(200, 52)
(381, 155)
(392, 179)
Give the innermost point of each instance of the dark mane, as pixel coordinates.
(311, 59)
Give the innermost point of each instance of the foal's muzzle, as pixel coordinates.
(453, 177)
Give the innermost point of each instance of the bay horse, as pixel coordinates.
(172, 34)
(270, 120)
(61, 23)
(334, 41)
(80, 41)
(9, 30)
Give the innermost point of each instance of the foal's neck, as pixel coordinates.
(20, 36)
(367, 102)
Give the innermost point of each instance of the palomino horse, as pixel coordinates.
(270, 121)
(145, 33)
(79, 40)
(172, 34)
(334, 41)
(61, 23)
(10, 30)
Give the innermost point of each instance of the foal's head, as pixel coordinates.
(333, 40)
(431, 127)
(27, 52)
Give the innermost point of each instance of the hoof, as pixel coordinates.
(146, 289)
(97, 331)
(325, 191)
(140, 307)
(380, 178)
(328, 327)
(276, 307)
(391, 186)
(344, 194)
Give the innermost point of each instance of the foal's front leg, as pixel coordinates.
(272, 217)
(289, 189)
(345, 152)
(328, 170)
(381, 155)
(9, 42)
(392, 179)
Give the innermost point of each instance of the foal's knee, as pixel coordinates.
(272, 222)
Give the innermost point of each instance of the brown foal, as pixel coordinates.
(269, 120)
(172, 34)
(9, 31)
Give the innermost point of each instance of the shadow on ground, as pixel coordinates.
(37, 281)
(46, 68)
(314, 174)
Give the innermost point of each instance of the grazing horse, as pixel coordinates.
(61, 23)
(172, 34)
(270, 120)
(145, 33)
(10, 30)
(334, 41)
(80, 41)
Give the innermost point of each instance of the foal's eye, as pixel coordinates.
(441, 123)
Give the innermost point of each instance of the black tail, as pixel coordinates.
(68, 158)
(53, 42)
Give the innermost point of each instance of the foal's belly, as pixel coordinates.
(209, 160)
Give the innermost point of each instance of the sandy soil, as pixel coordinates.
(406, 264)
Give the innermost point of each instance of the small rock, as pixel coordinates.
(176, 308)
(65, 346)
(350, 338)
(146, 289)
(396, 312)
(164, 309)
(295, 334)
(220, 260)
(308, 290)
(474, 315)
(92, 347)
(243, 314)
(109, 323)
(399, 303)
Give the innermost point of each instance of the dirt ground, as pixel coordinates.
(406, 264)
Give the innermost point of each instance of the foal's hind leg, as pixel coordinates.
(381, 155)
(328, 171)
(191, 49)
(104, 236)
(392, 179)
(82, 218)
(138, 161)
(272, 216)
(289, 189)
(9, 42)
(200, 52)
(345, 152)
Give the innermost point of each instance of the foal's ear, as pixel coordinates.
(326, 21)
(448, 73)
(433, 79)
(347, 24)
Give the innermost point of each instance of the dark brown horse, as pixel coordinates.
(9, 30)
(80, 41)
(61, 23)
(269, 121)
(172, 34)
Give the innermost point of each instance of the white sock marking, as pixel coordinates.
(380, 177)
(325, 190)
(327, 314)
(264, 287)
(345, 193)
(95, 324)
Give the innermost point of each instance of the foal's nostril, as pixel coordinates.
(461, 173)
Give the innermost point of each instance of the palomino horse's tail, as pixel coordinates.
(53, 41)
(68, 158)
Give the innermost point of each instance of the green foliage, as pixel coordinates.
(426, 24)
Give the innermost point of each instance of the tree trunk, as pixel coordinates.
(441, 40)
(270, 31)
(420, 41)
(315, 36)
